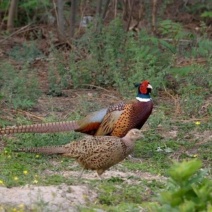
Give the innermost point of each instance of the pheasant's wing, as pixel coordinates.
(91, 122)
(110, 119)
(80, 148)
(106, 153)
(108, 123)
(125, 122)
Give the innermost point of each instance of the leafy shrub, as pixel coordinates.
(194, 86)
(110, 194)
(58, 76)
(28, 11)
(25, 53)
(33, 11)
(19, 88)
(188, 189)
(203, 49)
(168, 28)
(116, 58)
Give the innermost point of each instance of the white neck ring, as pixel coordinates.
(143, 99)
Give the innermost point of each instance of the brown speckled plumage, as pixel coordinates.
(95, 153)
(116, 120)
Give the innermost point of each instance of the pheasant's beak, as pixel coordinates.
(149, 86)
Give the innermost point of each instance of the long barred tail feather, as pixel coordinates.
(41, 128)
(46, 150)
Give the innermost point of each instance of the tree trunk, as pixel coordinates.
(98, 20)
(130, 15)
(12, 13)
(105, 9)
(60, 19)
(99, 8)
(154, 12)
(73, 17)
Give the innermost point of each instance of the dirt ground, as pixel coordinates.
(54, 198)
(65, 197)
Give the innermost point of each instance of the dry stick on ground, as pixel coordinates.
(95, 86)
(11, 111)
(21, 30)
(30, 114)
(192, 120)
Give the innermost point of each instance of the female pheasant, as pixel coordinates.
(116, 120)
(95, 153)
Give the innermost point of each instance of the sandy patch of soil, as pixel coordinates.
(51, 198)
(65, 197)
(128, 177)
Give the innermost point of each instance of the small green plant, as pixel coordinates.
(27, 52)
(188, 189)
(207, 14)
(19, 88)
(203, 49)
(171, 29)
(113, 194)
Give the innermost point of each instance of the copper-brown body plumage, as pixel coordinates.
(95, 153)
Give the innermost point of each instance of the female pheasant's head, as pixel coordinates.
(144, 90)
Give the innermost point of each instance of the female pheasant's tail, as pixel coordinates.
(45, 150)
(42, 128)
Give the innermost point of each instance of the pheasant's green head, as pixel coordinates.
(144, 89)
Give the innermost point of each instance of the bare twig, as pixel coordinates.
(181, 40)
(94, 86)
(27, 114)
(17, 32)
(192, 120)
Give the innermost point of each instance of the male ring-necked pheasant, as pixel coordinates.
(116, 120)
(94, 152)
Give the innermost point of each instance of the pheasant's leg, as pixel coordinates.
(81, 173)
(100, 177)
(99, 173)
